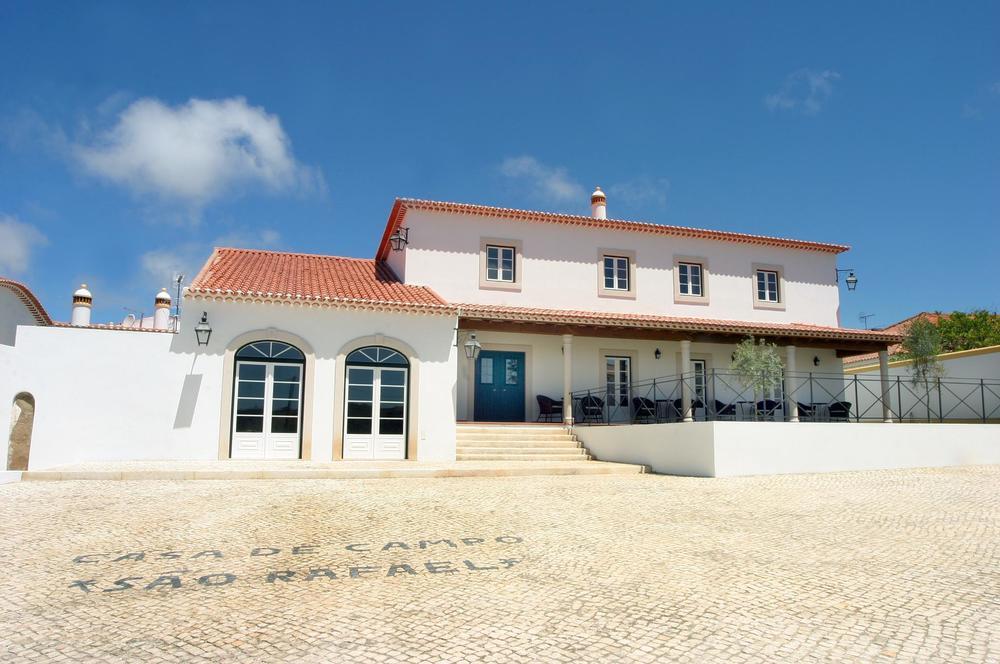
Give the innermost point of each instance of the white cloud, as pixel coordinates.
(17, 241)
(640, 191)
(549, 183)
(196, 152)
(804, 90)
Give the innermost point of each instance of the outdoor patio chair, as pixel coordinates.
(548, 408)
(592, 409)
(767, 408)
(643, 409)
(840, 411)
(806, 411)
(724, 411)
(679, 407)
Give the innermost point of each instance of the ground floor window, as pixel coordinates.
(375, 404)
(267, 401)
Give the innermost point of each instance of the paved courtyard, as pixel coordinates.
(896, 565)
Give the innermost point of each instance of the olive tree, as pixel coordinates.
(757, 365)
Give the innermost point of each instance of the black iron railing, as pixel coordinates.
(805, 397)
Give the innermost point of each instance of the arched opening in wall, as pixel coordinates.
(267, 401)
(22, 420)
(376, 404)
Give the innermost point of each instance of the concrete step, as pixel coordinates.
(503, 449)
(494, 442)
(514, 436)
(503, 456)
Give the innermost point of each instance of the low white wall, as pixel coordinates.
(8, 476)
(726, 449)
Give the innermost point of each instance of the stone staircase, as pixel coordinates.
(502, 442)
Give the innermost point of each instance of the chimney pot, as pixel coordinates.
(598, 204)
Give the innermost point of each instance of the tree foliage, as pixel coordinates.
(963, 331)
(922, 345)
(757, 365)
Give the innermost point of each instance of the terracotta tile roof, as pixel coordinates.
(676, 323)
(398, 213)
(29, 300)
(272, 275)
(113, 326)
(900, 329)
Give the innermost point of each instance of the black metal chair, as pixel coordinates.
(548, 408)
(840, 411)
(592, 409)
(679, 407)
(767, 408)
(724, 411)
(806, 411)
(643, 409)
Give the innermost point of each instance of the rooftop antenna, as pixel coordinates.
(178, 280)
(864, 319)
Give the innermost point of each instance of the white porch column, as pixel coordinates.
(685, 387)
(791, 404)
(567, 348)
(883, 375)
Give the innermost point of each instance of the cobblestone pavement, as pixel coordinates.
(894, 565)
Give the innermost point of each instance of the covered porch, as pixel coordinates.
(525, 365)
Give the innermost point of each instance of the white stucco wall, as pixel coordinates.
(122, 395)
(962, 395)
(727, 449)
(544, 359)
(12, 313)
(560, 269)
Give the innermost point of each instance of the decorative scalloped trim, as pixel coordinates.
(28, 299)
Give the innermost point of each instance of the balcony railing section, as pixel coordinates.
(796, 397)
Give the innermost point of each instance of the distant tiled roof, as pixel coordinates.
(674, 323)
(248, 274)
(114, 327)
(403, 204)
(29, 300)
(899, 328)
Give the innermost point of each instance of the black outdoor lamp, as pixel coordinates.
(203, 330)
(472, 347)
(851, 280)
(657, 353)
(815, 360)
(400, 238)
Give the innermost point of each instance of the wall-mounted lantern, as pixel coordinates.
(400, 238)
(815, 360)
(203, 331)
(851, 280)
(472, 347)
(657, 353)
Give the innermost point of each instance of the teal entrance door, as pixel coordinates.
(499, 386)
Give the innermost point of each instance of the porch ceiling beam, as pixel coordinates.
(844, 348)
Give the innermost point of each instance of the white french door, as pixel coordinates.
(267, 411)
(618, 376)
(375, 413)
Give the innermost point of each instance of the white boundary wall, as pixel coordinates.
(727, 449)
(107, 395)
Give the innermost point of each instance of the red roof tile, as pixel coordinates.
(683, 324)
(398, 213)
(287, 276)
(900, 328)
(29, 300)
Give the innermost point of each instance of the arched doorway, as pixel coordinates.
(376, 404)
(267, 401)
(22, 419)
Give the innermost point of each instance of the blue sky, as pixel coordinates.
(872, 124)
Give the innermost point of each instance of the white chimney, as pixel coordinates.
(598, 204)
(161, 312)
(82, 301)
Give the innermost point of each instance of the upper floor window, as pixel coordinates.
(689, 279)
(616, 273)
(500, 263)
(767, 286)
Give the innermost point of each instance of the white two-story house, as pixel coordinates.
(466, 313)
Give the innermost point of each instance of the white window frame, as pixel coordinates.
(485, 282)
(501, 251)
(688, 298)
(616, 289)
(779, 282)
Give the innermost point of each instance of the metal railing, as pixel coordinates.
(799, 396)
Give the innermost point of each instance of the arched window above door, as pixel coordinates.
(274, 351)
(378, 355)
